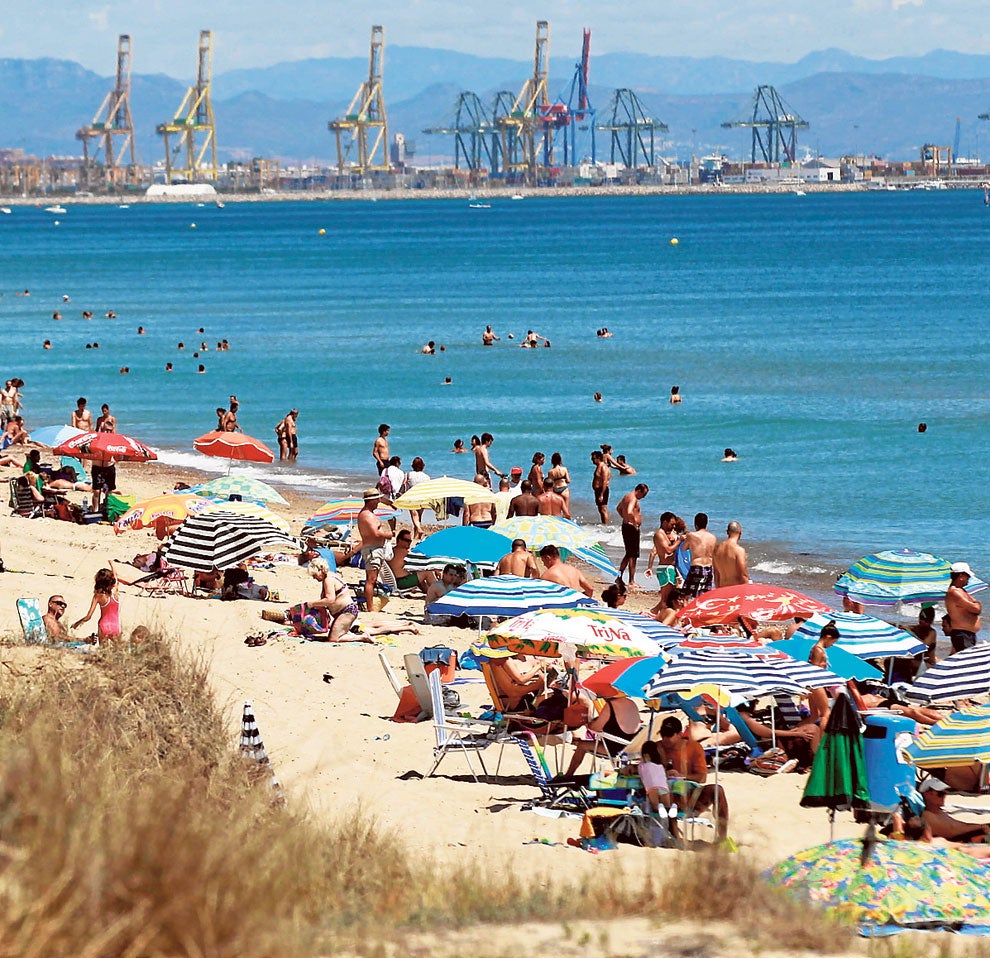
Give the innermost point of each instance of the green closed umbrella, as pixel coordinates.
(838, 774)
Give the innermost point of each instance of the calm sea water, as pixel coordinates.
(811, 334)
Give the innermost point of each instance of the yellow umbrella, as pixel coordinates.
(173, 506)
(249, 509)
(425, 494)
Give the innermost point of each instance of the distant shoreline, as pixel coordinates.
(506, 193)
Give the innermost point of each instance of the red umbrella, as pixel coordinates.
(768, 603)
(233, 445)
(105, 447)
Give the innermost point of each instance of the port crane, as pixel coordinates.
(632, 131)
(193, 127)
(774, 127)
(524, 129)
(476, 137)
(112, 122)
(365, 124)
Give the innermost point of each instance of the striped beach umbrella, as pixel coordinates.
(624, 677)
(595, 557)
(233, 445)
(753, 600)
(506, 595)
(253, 748)
(417, 562)
(344, 510)
(715, 640)
(842, 663)
(804, 673)
(251, 490)
(962, 675)
(737, 670)
(592, 631)
(888, 578)
(425, 495)
(540, 531)
(863, 635)
(249, 509)
(959, 739)
(221, 540)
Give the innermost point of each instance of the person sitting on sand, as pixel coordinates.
(107, 600)
(14, 434)
(668, 610)
(238, 584)
(519, 562)
(57, 632)
(334, 612)
(941, 823)
(451, 577)
(404, 579)
(615, 595)
(800, 743)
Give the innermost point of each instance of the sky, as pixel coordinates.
(257, 33)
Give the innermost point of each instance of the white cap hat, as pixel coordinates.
(959, 567)
(932, 784)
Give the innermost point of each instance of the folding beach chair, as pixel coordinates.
(455, 734)
(563, 795)
(393, 679)
(416, 673)
(29, 612)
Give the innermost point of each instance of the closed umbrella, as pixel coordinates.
(962, 675)
(754, 601)
(591, 630)
(251, 490)
(903, 885)
(838, 779)
(105, 448)
(506, 595)
(221, 540)
(889, 578)
(233, 445)
(959, 739)
(863, 635)
(433, 491)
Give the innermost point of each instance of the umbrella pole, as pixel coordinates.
(718, 726)
(831, 824)
(773, 727)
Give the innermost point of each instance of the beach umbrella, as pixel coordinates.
(753, 600)
(739, 671)
(105, 447)
(716, 640)
(251, 490)
(803, 672)
(838, 779)
(54, 436)
(889, 578)
(863, 635)
(842, 663)
(466, 544)
(962, 675)
(591, 631)
(625, 676)
(903, 885)
(248, 509)
(233, 445)
(417, 562)
(344, 510)
(959, 739)
(595, 557)
(221, 540)
(540, 531)
(433, 491)
(174, 506)
(506, 595)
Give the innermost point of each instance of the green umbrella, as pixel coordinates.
(838, 774)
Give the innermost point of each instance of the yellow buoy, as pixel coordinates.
(323, 232)
(674, 241)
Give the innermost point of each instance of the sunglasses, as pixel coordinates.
(60, 604)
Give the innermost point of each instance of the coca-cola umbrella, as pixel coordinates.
(104, 448)
(753, 601)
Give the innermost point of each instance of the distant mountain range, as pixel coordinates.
(890, 107)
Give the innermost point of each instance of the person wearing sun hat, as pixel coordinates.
(375, 546)
(964, 611)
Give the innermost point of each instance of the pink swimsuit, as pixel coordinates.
(110, 618)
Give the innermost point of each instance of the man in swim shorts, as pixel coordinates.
(701, 543)
(374, 535)
(600, 483)
(964, 611)
(632, 521)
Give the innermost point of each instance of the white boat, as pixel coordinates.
(480, 206)
(5, 210)
(517, 196)
(123, 206)
(55, 209)
(800, 193)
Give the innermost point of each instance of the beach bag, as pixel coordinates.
(769, 763)
(385, 484)
(636, 830)
(307, 621)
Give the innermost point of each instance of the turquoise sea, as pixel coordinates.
(809, 333)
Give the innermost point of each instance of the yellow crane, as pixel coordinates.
(524, 130)
(193, 125)
(365, 124)
(112, 122)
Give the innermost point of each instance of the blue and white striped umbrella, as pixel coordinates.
(507, 595)
(595, 557)
(959, 739)
(417, 562)
(962, 675)
(736, 670)
(863, 635)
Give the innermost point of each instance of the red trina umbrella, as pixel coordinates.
(768, 603)
(105, 447)
(233, 445)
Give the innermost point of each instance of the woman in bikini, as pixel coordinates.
(561, 481)
(105, 598)
(335, 608)
(536, 473)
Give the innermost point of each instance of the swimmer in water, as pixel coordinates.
(47, 344)
(729, 456)
(598, 397)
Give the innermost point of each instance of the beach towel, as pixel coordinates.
(682, 560)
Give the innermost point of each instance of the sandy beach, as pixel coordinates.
(324, 712)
